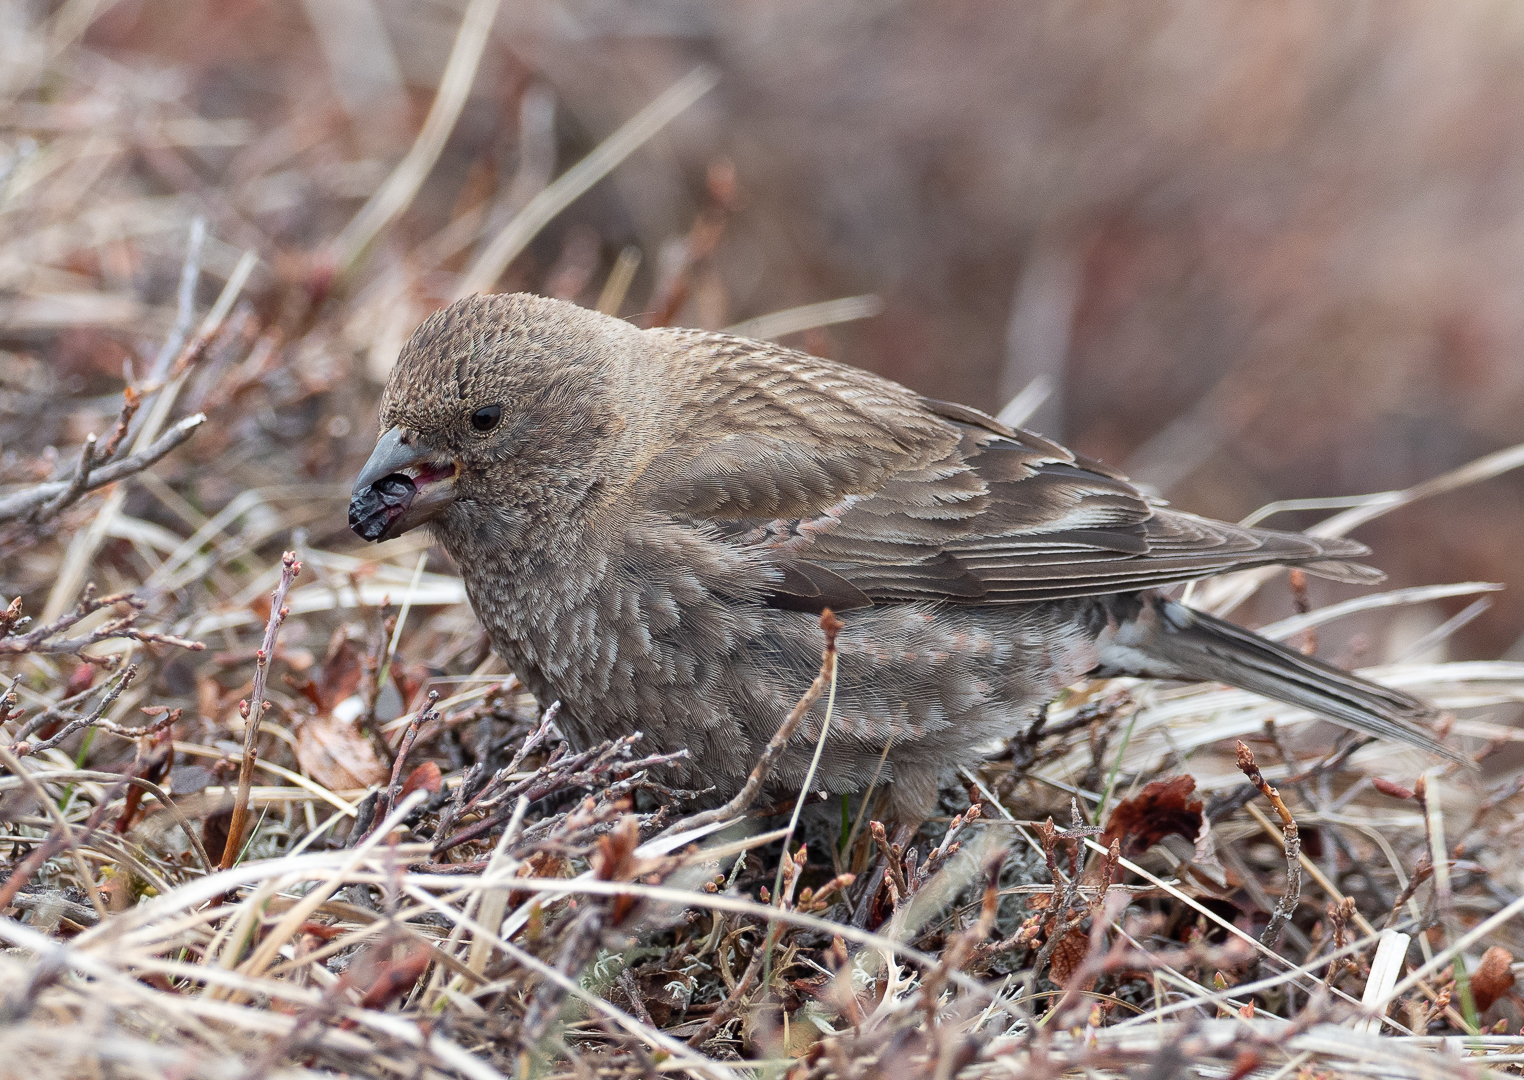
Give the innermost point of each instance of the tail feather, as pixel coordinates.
(1163, 639)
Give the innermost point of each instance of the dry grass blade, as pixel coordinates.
(634, 133)
(808, 317)
(1223, 594)
(400, 187)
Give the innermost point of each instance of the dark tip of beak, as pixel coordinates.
(374, 509)
(402, 486)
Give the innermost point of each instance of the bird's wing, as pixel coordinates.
(862, 492)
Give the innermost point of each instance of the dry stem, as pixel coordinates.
(253, 710)
(1289, 899)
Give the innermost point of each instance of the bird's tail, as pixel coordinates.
(1154, 637)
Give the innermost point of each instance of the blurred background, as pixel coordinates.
(1250, 251)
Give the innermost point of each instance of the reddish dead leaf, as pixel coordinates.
(214, 829)
(1067, 957)
(321, 930)
(1161, 809)
(425, 777)
(337, 679)
(615, 861)
(158, 981)
(395, 978)
(336, 753)
(308, 690)
(615, 857)
(382, 977)
(409, 681)
(341, 673)
(81, 680)
(1247, 1060)
(1492, 978)
(161, 758)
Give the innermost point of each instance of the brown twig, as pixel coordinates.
(1293, 840)
(389, 798)
(94, 719)
(793, 867)
(960, 946)
(574, 770)
(1340, 915)
(1422, 872)
(736, 998)
(892, 856)
(1297, 580)
(831, 625)
(473, 789)
(253, 710)
(59, 710)
(1059, 928)
(40, 502)
(46, 639)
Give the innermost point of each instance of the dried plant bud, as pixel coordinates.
(1388, 787)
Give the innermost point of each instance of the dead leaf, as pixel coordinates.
(214, 830)
(615, 861)
(341, 674)
(337, 754)
(1492, 978)
(384, 973)
(1205, 859)
(1389, 787)
(1161, 809)
(1068, 954)
(425, 777)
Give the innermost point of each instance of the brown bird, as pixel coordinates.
(649, 522)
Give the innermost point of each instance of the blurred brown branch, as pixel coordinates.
(42, 502)
(46, 639)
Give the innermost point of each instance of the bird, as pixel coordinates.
(650, 522)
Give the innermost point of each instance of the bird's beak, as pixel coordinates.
(404, 484)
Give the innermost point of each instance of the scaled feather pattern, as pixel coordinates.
(649, 523)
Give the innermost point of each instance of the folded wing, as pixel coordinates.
(862, 493)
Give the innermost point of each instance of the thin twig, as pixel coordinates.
(1293, 894)
(83, 547)
(253, 709)
(113, 692)
(736, 998)
(389, 798)
(54, 496)
(46, 639)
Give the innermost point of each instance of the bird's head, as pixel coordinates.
(500, 409)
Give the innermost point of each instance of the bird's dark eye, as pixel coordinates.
(486, 418)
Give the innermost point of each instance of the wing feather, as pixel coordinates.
(857, 491)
